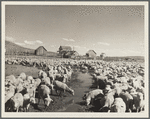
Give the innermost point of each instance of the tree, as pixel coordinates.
(62, 52)
(102, 55)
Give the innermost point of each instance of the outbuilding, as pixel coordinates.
(41, 51)
(91, 54)
(65, 48)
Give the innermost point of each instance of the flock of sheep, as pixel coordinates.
(119, 85)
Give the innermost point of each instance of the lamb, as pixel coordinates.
(44, 92)
(62, 87)
(118, 106)
(16, 102)
(89, 97)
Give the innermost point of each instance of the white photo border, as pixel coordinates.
(75, 114)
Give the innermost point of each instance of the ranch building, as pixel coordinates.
(64, 49)
(41, 51)
(71, 54)
(91, 54)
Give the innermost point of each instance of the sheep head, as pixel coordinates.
(48, 101)
(32, 100)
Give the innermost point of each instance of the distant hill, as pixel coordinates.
(14, 49)
(136, 57)
(129, 58)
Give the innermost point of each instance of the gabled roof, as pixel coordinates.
(40, 47)
(65, 47)
(91, 51)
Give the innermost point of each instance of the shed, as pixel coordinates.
(41, 51)
(91, 54)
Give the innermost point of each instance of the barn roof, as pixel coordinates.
(40, 47)
(65, 47)
(91, 51)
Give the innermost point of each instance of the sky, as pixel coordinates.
(113, 30)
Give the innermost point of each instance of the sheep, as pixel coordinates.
(128, 99)
(101, 82)
(51, 75)
(63, 78)
(12, 80)
(31, 90)
(43, 93)
(30, 79)
(62, 87)
(46, 81)
(16, 102)
(89, 97)
(40, 74)
(23, 76)
(37, 82)
(19, 88)
(10, 93)
(27, 100)
(106, 102)
(138, 101)
(141, 89)
(43, 74)
(118, 106)
(136, 83)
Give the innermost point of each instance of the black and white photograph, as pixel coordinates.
(75, 59)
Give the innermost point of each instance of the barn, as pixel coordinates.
(41, 51)
(91, 54)
(65, 48)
